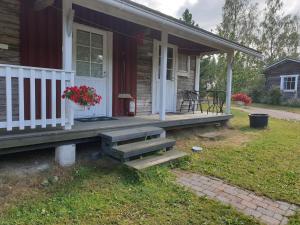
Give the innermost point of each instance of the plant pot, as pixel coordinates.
(258, 120)
(77, 107)
(240, 103)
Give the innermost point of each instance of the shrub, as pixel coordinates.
(295, 102)
(275, 96)
(242, 97)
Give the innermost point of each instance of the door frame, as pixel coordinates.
(155, 67)
(109, 62)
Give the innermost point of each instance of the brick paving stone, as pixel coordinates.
(262, 208)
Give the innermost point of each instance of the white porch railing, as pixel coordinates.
(14, 95)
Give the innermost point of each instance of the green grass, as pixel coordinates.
(278, 107)
(266, 161)
(115, 195)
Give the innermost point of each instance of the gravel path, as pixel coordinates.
(279, 114)
(267, 211)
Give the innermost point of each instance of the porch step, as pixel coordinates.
(129, 134)
(142, 147)
(140, 164)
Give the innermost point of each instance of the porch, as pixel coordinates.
(82, 132)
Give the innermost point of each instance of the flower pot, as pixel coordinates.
(240, 103)
(77, 107)
(258, 120)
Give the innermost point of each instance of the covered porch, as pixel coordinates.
(133, 59)
(82, 132)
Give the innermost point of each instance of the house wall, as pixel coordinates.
(273, 77)
(186, 82)
(9, 35)
(144, 77)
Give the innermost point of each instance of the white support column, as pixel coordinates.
(65, 155)
(163, 74)
(197, 75)
(229, 81)
(68, 16)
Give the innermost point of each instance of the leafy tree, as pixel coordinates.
(280, 33)
(187, 17)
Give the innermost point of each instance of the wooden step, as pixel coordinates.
(132, 133)
(142, 147)
(153, 160)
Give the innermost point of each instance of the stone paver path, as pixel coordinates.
(263, 209)
(279, 114)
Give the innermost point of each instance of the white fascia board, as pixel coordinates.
(144, 17)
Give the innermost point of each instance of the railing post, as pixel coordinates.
(8, 99)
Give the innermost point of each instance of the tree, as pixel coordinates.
(280, 33)
(187, 17)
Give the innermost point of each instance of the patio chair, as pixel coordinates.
(186, 100)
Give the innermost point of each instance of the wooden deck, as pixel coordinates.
(17, 141)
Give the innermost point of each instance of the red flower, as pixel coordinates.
(83, 95)
(242, 97)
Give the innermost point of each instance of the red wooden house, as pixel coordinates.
(122, 49)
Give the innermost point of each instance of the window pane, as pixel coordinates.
(83, 53)
(97, 41)
(83, 38)
(182, 62)
(170, 52)
(97, 70)
(97, 55)
(82, 68)
(170, 64)
(193, 63)
(169, 74)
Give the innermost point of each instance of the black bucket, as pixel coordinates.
(258, 120)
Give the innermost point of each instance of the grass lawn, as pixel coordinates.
(265, 161)
(99, 194)
(278, 107)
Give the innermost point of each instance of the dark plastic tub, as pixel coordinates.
(259, 120)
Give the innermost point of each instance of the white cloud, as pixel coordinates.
(207, 13)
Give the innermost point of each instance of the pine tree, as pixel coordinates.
(187, 17)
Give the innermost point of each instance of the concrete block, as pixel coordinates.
(65, 155)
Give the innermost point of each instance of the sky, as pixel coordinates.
(207, 13)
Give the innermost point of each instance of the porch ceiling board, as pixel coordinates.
(142, 15)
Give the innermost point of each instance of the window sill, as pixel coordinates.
(183, 74)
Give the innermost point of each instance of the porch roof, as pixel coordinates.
(129, 10)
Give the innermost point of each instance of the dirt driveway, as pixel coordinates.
(278, 114)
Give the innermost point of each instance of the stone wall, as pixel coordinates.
(9, 35)
(273, 77)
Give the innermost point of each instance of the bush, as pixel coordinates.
(275, 96)
(242, 97)
(295, 102)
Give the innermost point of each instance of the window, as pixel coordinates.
(183, 63)
(89, 54)
(289, 83)
(170, 63)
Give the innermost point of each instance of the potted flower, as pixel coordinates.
(82, 97)
(242, 99)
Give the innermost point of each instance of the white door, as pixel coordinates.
(171, 96)
(90, 60)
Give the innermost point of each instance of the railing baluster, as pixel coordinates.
(8, 99)
(32, 99)
(63, 101)
(21, 98)
(44, 99)
(53, 98)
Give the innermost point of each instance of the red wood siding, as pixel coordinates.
(124, 72)
(41, 46)
(124, 52)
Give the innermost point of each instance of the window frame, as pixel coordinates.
(183, 73)
(282, 86)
